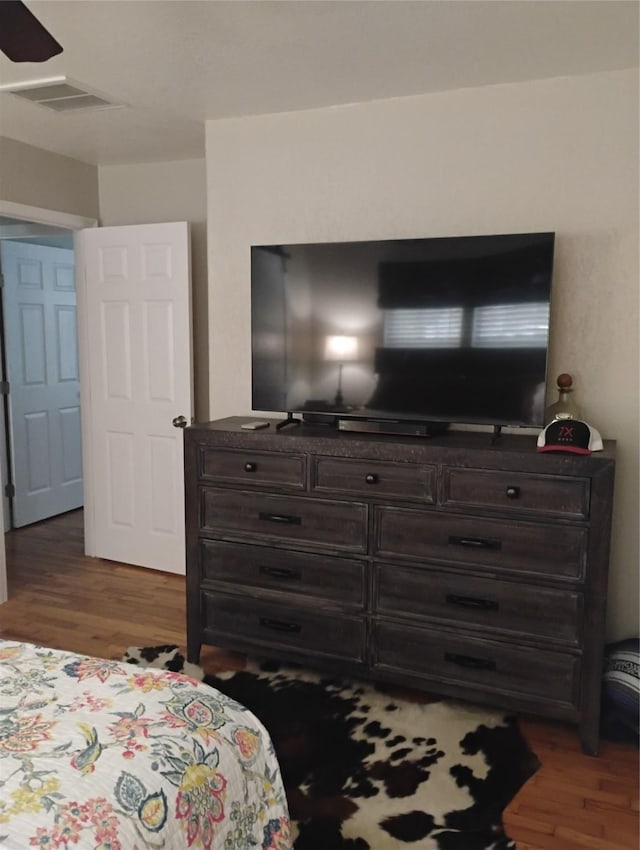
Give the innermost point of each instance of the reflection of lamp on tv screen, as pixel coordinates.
(341, 349)
(437, 330)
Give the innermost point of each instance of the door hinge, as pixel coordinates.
(9, 491)
(4, 387)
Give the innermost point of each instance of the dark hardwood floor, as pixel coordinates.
(60, 598)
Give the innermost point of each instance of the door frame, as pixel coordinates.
(40, 215)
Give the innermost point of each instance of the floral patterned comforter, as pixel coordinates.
(102, 755)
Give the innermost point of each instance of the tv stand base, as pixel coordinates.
(290, 420)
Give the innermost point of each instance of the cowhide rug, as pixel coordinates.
(365, 770)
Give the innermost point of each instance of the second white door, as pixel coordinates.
(135, 285)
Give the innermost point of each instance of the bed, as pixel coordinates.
(103, 755)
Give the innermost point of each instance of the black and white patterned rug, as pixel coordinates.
(367, 770)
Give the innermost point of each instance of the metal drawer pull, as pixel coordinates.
(476, 542)
(280, 572)
(513, 492)
(250, 466)
(371, 478)
(471, 602)
(279, 625)
(470, 661)
(282, 518)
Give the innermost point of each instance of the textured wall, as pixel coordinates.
(38, 178)
(557, 154)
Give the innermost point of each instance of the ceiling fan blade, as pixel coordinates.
(22, 37)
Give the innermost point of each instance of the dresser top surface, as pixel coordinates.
(449, 447)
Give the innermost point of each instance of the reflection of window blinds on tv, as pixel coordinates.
(511, 326)
(423, 328)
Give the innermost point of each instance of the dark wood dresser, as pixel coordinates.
(467, 568)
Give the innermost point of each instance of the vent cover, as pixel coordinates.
(60, 94)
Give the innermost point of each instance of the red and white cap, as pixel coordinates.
(569, 435)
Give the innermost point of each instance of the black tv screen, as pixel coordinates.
(451, 329)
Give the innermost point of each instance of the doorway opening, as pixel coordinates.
(24, 216)
(134, 350)
(41, 449)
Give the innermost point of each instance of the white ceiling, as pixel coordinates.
(176, 63)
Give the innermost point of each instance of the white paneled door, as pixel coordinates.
(136, 288)
(39, 302)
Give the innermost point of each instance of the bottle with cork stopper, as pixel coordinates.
(565, 407)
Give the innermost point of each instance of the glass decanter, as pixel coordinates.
(565, 407)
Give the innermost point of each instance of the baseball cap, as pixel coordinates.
(569, 435)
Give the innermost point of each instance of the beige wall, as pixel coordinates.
(168, 191)
(556, 155)
(38, 178)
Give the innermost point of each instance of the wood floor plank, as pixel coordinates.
(580, 838)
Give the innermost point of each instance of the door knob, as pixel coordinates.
(179, 422)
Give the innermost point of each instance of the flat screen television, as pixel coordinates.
(434, 330)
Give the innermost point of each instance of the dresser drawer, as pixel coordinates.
(285, 519)
(490, 665)
(319, 576)
(373, 478)
(238, 621)
(517, 546)
(249, 468)
(517, 492)
(471, 601)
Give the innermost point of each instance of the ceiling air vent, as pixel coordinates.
(60, 94)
